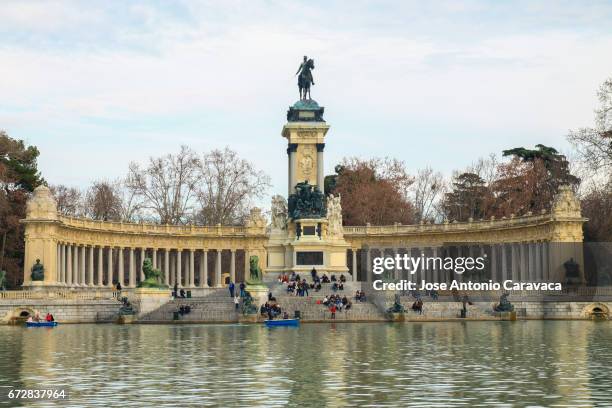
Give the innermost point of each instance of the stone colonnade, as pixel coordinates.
(104, 266)
(517, 261)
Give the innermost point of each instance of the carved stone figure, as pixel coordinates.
(38, 271)
(255, 274)
(566, 203)
(334, 216)
(504, 304)
(279, 212)
(256, 219)
(248, 304)
(306, 202)
(397, 305)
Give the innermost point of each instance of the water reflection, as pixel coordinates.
(418, 364)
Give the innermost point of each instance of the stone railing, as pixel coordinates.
(59, 294)
(162, 229)
(491, 224)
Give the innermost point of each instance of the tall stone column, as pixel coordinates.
(514, 256)
(120, 272)
(58, 265)
(75, 265)
(368, 265)
(62, 272)
(132, 272)
(434, 254)
(354, 268)
(320, 170)
(218, 269)
(545, 270)
(142, 258)
(204, 269)
(90, 279)
(109, 274)
(233, 265)
(191, 268)
(538, 262)
(179, 267)
(82, 267)
(247, 264)
(167, 266)
(154, 258)
(504, 263)
(69, 265)
(100, 265)
(524, 270)
(494, 276)
(172, 270)
(291, 153)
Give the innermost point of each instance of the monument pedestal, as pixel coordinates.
(146, 300)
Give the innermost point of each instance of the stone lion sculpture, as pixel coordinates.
(151, 274)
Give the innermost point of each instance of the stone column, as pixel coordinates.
(538, 262)
(504, 263)
(320, 167)
(291, 152)
(233, 265)
(62, 273)
(131, 271)
(167, 266)
(142, 258)
(524, 272)
(75, 265)
(204, 269)
(218, 282)
(434, 255)
(91, 267)
(82, 267)
(109, 283)
(58, 263)
(172, 270)
(494, 263)
(179, 268)
(69, 265)
(514, 257)
(100, 265)
(154, 258)
(545, 270)
(120, 272)
(354, 264)
(191, 268)
(368, 265)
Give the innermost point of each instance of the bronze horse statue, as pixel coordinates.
(305, 78)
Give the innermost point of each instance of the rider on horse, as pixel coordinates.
(305, 77)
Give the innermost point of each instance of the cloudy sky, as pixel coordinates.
(97, 84)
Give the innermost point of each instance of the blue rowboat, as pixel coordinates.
(41, 324)
(282, 322)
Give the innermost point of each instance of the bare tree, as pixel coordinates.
(103, 201)
(229, 186)
(594, 144)
(428, 189)
(69, 200)
(167, 186)
(131, 205)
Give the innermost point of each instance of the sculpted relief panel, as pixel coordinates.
(307, 164)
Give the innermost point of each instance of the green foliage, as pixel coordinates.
(556, 164)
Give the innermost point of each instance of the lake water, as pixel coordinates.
(533, 363)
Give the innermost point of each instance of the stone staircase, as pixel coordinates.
(216, 306)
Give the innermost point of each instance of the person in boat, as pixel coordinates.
(37, 317)
(285, 315)
(49, 317)
(30, 320)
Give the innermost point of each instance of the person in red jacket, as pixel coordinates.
(332, 309)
